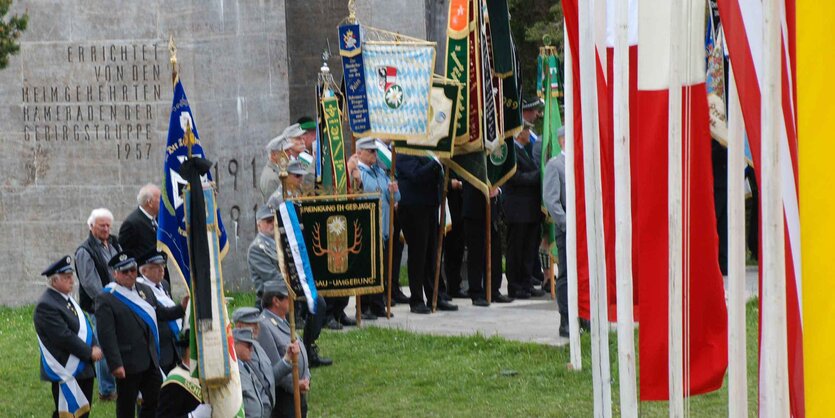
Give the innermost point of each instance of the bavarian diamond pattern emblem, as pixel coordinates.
(399, 79)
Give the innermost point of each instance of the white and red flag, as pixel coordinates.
(742, 21)
(705, 314)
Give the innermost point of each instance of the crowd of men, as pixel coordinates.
(126, 328)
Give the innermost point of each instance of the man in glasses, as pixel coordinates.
(128, 314)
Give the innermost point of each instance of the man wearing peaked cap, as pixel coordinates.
(262, 256)
(181, 394)
(152, 272)
(276, 160)
(133, 353)
(258, 402)
(66, 340)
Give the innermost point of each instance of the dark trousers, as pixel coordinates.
(377, 302)
(562, 276)
(336, 307)
(397, 256)
(147, 382)
(421, 232)
(86, 387)
(454, 243)
(536, 273)
(476, 263)
(315, 322)
(520, 256)
(285, 407)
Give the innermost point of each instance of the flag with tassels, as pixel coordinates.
(292, 255)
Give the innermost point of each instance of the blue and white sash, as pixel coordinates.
(137, 305)
(290, 222)
(176, 325)
(71, 399)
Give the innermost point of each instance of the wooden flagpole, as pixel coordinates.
(440, 245)
(737, 368)
(571, 214)
(488, 272)
(297, 396)
(623, 216)
(392, 238)
(774, 399)
(601, 374)
(674, 214)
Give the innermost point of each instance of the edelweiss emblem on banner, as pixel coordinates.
(387, 80)
(499, 156)
(338, 249)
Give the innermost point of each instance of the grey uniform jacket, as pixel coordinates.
(257, 402)
(274, 338)
(267, 372)
(262, 260)
(554, 190)
(270, 180)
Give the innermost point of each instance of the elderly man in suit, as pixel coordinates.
(127, 313)
(68, 347)
(152, 270)
(274, 337)
(554, 198)
(522, 216)
(262, 259)
(138, 233)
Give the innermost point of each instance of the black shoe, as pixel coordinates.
(585, 325)
(399, 297)
(520, 295)
(564, 332)
(334, 324)
(368, 316)
(347, 321)
(563, 326)
(480, 302)
(315, 359)
(537, 292)
(500, 298)
(420, 309)
(444, 296)
(446, 306)
(380, 312)
(459, 295)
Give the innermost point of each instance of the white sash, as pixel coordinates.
(165, 300)
(71, 399)
(143, 309)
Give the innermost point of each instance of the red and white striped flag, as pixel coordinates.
(705, 336)
(743, 24)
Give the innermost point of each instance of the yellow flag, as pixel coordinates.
(816, 146)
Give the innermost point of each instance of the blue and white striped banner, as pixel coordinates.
(302, 277)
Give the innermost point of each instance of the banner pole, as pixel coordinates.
(297, 396)
(439, 252)
(392, 238)
(488, 273)
(575, 349)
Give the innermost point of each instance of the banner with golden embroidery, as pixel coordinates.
(343, 236)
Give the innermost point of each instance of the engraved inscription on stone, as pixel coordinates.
(108, 103)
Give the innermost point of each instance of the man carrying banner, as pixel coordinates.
(375, 180)
(127, 313)
(274, 337)
(68, 347)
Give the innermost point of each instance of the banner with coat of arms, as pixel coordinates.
(444, 104)
(343, 238)
(398, 81)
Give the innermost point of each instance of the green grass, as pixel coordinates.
(379, 372)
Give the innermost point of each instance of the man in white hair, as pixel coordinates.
(93, 275)
(138, 233)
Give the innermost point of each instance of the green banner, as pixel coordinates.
(500, 33)
(458, 62)
(512, 98)
(444, 104)
(550, 127)
(344, 241)
(335, 144)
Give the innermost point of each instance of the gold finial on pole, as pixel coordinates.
(172, 56)
(352, 11)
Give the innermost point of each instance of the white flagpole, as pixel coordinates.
(737, 368)
(571, 214)
(674, 202)
(601, 374)
(773, 363)
(623, 215)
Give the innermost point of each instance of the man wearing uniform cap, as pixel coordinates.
(67, 344)
(375, 180)
(256, 397)
(274, 337)
(181, 395)
(152, 272)
(127, 313)
(262, 260)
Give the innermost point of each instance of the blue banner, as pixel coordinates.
(171, 234)
(353, 68)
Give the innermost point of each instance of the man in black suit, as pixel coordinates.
(138, 233)
(68, 346)
(152, 269)
(521, 203)
(420, 181)
(474, 214)
(127, 313)
(454, 238)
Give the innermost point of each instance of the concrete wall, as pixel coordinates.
(84, 110)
